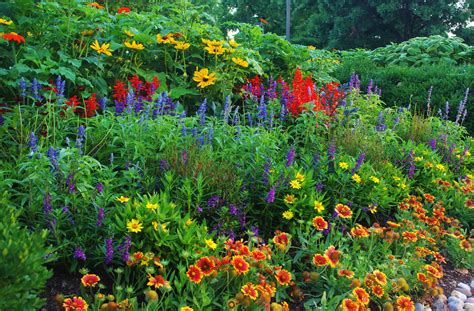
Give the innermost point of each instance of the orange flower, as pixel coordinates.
(404, 303)
(333, 256)
(75, 303)
(380, 277)
(347, 273)
(433, 271)
(319, 223)
(361, 295)
(250, 291)
(258, 255)
(369, 280)
(429, 197)
(393, 224)
(90, 280)
(465, 245)
(378, 291)
(350, 305)
(320, 260)
(123, 10)
(343, 211)
(13, 36)
(157, 281)
(194, 274)
(360, 231)
(283, 277)
(206, 265)
(410, 236)
(95, 5)
(240, 265)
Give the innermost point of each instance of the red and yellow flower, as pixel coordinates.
(13, 36)
(157, 281)
(360, 231)
(320, 260)
(206, 265)
(343, 211)
(378, 291)
(250, 291)
(346, 273)
(319, 223)
(404, 303)
(194, 274)
(283, 277)
(90, 280)
(333, 256)
(350, 305)
(361, 295)
(240, 264)
(75, 304)
(380, 277)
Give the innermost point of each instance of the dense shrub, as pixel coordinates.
(402, 85)
(22, 262)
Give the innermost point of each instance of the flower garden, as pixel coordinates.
(151, 162)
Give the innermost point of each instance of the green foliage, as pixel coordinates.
(402, 85)
(22, 263)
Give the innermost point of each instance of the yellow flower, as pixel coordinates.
(101, 49)
(299, 177)
(417, 159)
(373, 208)
(402, 185)
(87, 33)
(343, 165)
(29, 34)
(356, 178)
(289, 199)
(319, 207)
(134, 226)
(155, 225)
(375, 179)
(169, 38)
(396, 178)
(211, 244)
(215, 49)
(204, 78)
(468, 154)
(213, 42)
(429, 165)
(152, 205)
(189, 222)
(186, 308)
(129, 33)
(233, 44)
(288, 215)
(240, 62)
(134, 45)
(440, 167)
(163, 227)
(295, 184)
(311, 47)
(122, 199)
(182, 45)
(5, 22)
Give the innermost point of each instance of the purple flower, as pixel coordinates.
(227, 109)
(79, 254)
(319, 187)
(35, 88)
(81, 133)
(52, 155)
(380, 127)
(100, 187)
(290, 157)
(432, 144)
(100, 216)
(271, 195)
(68, 213)
(428, 103)
(411, 170)
(233, 210)
(359, 162)
(103, 103)
(109, 251)
(331, 151)
(120, 107)
(266, 171)
(47, 207)
(23, 85)
(33, 142)
(369, 86)
(164, 165)
(462, 106)
(213, 202)
(124, 248)
(199, 209)
(70, 183)
(202, 112)
(328, 230)
(254, 230)
(354, 82)
(60, 86)
(262, 111)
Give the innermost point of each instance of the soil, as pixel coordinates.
(62, 282)
(453, 276)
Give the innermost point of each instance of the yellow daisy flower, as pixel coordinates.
(5, 22)
(288, 215)
(122, 199)
(295, 184)
(211, 244)
(134, 226)
(101, 48)
(343, 165)
(356, 178)
(375, 179)
(289, 199)
(134, 45)
(182, 46)
(152, 205)
(319, 207)
(204, 78)
(240, 62)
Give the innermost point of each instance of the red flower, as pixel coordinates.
(250, 291)
(378, 291)
(281, 239)
(343, 211)
(404, 303)
(319, 223)
(194, 274)
(91, 105)
(90, 280)
(240, 265)
(75, 303)
(320, 260)
(13, 36)
(360, 231)
(258, 255)
(72, 102)
(422, 277)
(361, 295)
(206, 265)
(283, 277)
(157, 281)
(120, 91)
(380, 277)
(123, 10)
(350, 305)
(410, 236)
(333, 256)
(347, 273)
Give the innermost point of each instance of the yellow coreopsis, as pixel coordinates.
(103, 48)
